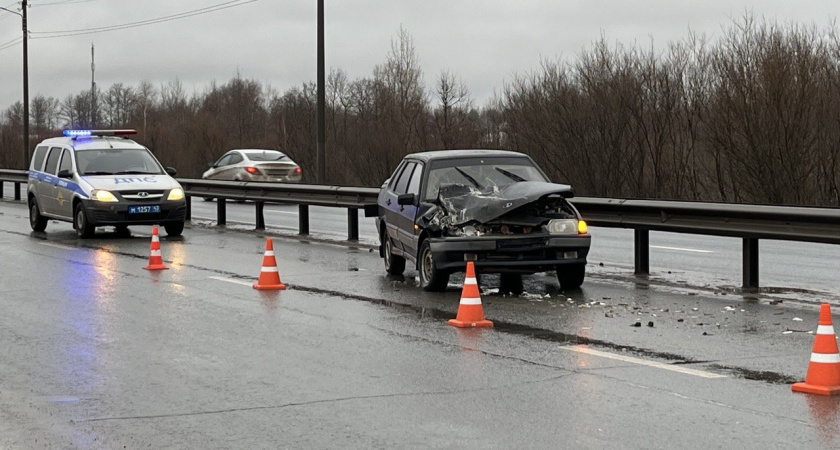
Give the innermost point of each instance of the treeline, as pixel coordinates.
(752, 117)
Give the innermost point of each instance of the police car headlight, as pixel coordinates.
(563, 226)
(102, 196)
(176, 194)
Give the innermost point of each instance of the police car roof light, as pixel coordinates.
(88, 133)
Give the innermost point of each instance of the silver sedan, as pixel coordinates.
(254, 165)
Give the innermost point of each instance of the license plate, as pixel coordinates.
(144, 209)
(570, 255)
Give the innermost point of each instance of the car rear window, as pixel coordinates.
(265, 156)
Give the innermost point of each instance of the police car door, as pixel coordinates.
(46, 190)
(65, 186)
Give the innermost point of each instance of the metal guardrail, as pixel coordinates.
(748, 222)
(304, 195)
(16, 177)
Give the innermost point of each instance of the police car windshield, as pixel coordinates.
(117, 162)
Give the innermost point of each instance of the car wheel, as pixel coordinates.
(83, 227)
(394, 265)
(510, 282)
(36, 220)
(174, 229)
(431, 278)
(571, 276)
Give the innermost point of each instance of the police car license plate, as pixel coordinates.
(143, 209)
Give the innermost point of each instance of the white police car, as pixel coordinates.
(98, 178)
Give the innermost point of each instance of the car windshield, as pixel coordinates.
(482, 174)
(117, 162)
(265, 155)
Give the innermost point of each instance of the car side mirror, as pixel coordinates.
(65, 173)
(171, 171)
(406, 199)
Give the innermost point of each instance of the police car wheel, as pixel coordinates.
(36, 220)
(83, 228)
(174, 229)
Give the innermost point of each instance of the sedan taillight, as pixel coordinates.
(251, 170)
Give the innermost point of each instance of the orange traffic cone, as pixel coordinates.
(269, 276)
(824, 370)
(470, 312)
(155, 261)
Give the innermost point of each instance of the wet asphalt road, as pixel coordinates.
(98, 353)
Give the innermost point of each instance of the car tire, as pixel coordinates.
(571, 276)
(174, 229)
(36, 220)
(431, 278)
(510, 283)
(83, 227)
(394, 265)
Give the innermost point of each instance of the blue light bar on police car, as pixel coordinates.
(88, 133)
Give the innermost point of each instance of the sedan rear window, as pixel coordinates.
(265, 155)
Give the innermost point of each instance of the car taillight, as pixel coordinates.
(251, 170)
(298, 171)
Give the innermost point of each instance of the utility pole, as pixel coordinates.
(322, 159)
(92, 90)
(25, 88)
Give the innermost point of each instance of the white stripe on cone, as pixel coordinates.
(825, 329)
(155, 252)
(826, 358)
(268, 269)
(269, 253)
(470, 301)
(470, 280)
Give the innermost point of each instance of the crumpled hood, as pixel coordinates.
(131, 182)
(465, 204)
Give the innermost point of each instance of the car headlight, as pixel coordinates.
(565, 226)
(176, 194)
(101, 195)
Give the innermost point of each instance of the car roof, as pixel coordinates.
(464, 153)
(254, 150)
(92, 142)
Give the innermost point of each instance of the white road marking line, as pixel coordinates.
(694, 250)
(231, 280)
(280, 212)
(630, 359)
(61, 246)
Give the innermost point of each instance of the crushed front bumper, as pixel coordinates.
(517, 254)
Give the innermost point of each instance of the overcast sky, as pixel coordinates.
(484, 42)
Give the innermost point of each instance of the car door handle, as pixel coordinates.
(388, 202)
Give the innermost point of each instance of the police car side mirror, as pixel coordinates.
(65, 173)
(171, 171)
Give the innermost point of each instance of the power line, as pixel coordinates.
(64, 2)
(14, 42)
(183, 15)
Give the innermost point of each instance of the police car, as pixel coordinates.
(99, 178)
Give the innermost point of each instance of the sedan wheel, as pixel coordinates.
(431, 278)
(394, 265)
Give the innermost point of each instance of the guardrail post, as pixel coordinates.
(188, 211)
(17, 191)
(2, 184)
(641, 242)
(750, 257)
(221, 211)
(352, 224)
(260, 208)
(303, 219)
